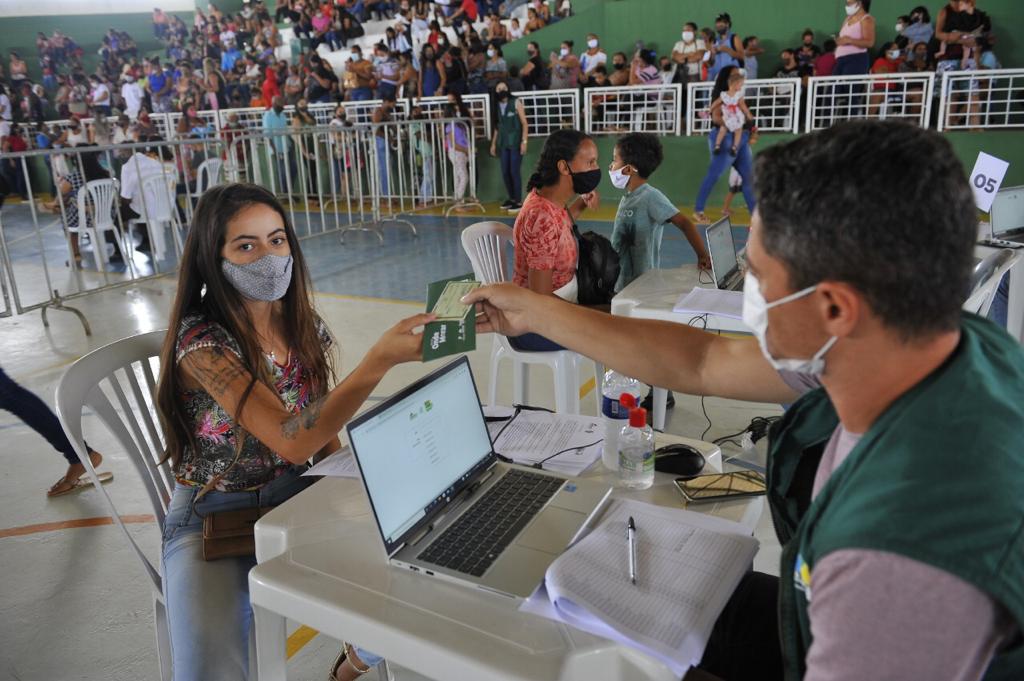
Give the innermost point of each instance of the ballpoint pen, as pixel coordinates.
(631, 538)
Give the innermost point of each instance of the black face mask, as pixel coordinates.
(586, 181)
(619, 65)
(449, 111)
(278, 109)
(502, 95)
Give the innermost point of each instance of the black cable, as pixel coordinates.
(578, 450)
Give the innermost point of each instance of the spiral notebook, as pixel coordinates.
(689, 564)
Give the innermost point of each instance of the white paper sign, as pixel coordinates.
(986, 178)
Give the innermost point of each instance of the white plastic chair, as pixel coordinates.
(485, 244)
(96, 216)
(159, 209)
(209, 174)
(118, 383)
(985, 280)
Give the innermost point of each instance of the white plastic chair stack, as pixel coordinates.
(485, 244)
(95, 217)
(985, 280)
(209, 174)
(159, 209)
(118, 383)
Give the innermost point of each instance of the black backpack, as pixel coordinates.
(597, 270)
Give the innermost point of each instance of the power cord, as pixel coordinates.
(520, 408)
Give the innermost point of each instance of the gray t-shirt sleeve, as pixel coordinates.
(800, 383)
(881, 616)
(659, 208)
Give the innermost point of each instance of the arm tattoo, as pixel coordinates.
(218, 375)
(307, 419)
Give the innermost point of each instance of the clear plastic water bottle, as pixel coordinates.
(615, 414)
(636, 451)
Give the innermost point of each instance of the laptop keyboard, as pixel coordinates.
(479, 536)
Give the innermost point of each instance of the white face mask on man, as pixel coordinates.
(755, 316)
(687, 36)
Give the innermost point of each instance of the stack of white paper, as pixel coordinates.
(689, 564)
(711, 301)
(339, 464)
(533, 436)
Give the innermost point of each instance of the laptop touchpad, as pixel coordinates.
(551, 530)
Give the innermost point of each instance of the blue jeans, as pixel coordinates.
(427, 183)
(361, 94)
(744, 163)
(1001, 302)
(382, 162)
(511, 172)
(851, 65)
(208, 610)
(36, 415)
(385, 90)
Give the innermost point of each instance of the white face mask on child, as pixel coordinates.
(618, 178)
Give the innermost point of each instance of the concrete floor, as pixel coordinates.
(75, 602)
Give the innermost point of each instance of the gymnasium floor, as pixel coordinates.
(75, 601)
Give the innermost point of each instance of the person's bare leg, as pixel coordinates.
(726, 207)
(74, 472)
(719, 138)
(350, 667)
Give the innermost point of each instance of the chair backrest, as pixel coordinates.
(985, 280)
(118, 383)
(208, 174)
(158, 194)
(485, 244)
(101, 194)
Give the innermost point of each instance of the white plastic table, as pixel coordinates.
(322, 563)
(652, 295)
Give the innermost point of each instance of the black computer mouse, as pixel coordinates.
(679, 459)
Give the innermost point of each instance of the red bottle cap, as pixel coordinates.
(638, 417)
(627, 400)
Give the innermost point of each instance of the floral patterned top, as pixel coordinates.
(212, 426)
(543, 240)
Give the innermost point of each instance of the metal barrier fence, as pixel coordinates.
(981, 99)
(773, 102)
(330, 180)
(638, 108)
(899, 96)
(550, 110)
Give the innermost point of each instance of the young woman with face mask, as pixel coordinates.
(247, 396)
(855, 38)
(545, 248)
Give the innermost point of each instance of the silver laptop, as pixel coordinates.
(725, 266)
(444, 503)
(1007, 215)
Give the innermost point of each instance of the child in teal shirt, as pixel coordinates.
(643, 210)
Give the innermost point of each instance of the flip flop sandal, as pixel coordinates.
(82, 483)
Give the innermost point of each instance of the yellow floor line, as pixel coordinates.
(587, 387)
(299, 638)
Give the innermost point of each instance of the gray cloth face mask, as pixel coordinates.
(264, 279)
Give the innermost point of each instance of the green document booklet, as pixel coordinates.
(455, 330)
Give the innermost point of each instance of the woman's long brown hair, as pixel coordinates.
(203, 288)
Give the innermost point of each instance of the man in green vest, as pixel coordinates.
(896, 479)
(508, 142)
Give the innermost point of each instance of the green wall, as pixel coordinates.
(19, 34)
(620, 23)
(686, 160)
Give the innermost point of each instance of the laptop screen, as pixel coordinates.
(420, 448)
(722, 249)
(1008, 211)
